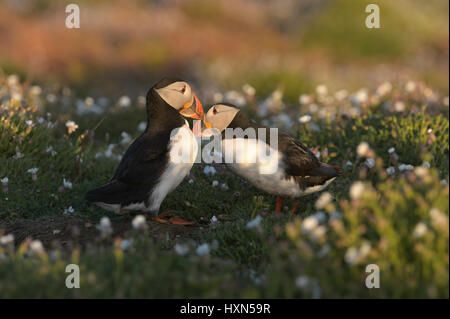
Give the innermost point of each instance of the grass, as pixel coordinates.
(398, 221)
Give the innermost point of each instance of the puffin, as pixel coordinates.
(159, 159)
(286, 167)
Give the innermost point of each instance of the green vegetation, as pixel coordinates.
(398, 220)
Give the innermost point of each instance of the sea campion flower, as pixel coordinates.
(214, 183)
(390, 170)
(255, 222)
(67, 184)
(139, 222)
(33, 172)
(181, 249)
(69, 211)
(405, 167)
(364, 150)
(209, 170)
(357, 189)
(71, 126)
(420, 230)
(370, 162)
(4, 181)
(105, 227)
(36, 247)
(124, 101)
(50, 150)
(304, 119)
(203, 249)
(324, 199)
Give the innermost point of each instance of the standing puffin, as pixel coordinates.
(288, 169)
(152, 166)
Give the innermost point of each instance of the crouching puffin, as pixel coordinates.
(159, 159)
(283, 166)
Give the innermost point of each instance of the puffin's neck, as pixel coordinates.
(160, 115)
(240, 120)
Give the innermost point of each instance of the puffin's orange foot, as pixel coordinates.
(180, 221)
(159, 220)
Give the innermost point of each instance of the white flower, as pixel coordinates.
(181, 249)
(7, 240)
(139, 222)
(142, 126)
(426, 164)
(363, 149)
(126, 138)
(302, 282)
(351, 256)
(71, 126)
(384, 88)
(321, 90)
(214, 219)
(215, 183)
(304, 119)
(105, 227)
(324, 199)
(304, 99)
(69, 211)
(410, 86)
(444, 182)
(399, 106)
(124, 101)
(56, 231)
(67, 184)
(249, 90)
(191, 181)
(370, 162)
(33, 170)
(209, 170)
(335, 215)
(349, 163)
(29, 123)
(390, 170)
(224, 186)
(438, 218)
(420, 230)
(4, 180)
(309, 223)
(126, 243)
(36, 247)
(50, 150)
(357, 189)
(41, 120)
(254, 222)
(340, 95)
(203, 249)
(405, 167)
(391, 150)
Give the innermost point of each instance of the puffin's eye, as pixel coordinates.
(214, 111)
(183, 89)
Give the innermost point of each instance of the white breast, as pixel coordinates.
(264, 172)
(183, 149)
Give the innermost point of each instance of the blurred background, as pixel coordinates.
(123, 47)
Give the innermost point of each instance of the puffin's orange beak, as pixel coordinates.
(193, 109)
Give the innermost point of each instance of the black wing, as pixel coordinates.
(299, 160)
(144, 161)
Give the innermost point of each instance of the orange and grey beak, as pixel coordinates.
(193, 109)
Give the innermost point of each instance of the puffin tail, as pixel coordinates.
(329, 171)
(108, 193)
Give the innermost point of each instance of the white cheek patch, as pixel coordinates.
(174, 98)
